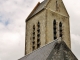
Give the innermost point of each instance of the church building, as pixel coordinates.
(48, 32)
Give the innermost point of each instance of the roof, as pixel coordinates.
(41, 53)
(38, 8)
(51, 51)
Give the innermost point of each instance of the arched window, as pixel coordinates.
(60, 29)
(38, 35)
(54, 29)
(33, 41)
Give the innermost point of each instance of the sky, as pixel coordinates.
(12, 26)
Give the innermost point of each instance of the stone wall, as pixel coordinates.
(56, 10)
(41, 17)
(65, 27)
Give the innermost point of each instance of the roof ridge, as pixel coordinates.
(34, 9)
(39, 7)
(55, 41)
(43, 47)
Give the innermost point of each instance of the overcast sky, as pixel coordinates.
(12, 26)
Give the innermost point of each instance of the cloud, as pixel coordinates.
(11, 45)
(12, 27)
(76, 45)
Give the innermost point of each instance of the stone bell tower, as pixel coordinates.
(48, 21)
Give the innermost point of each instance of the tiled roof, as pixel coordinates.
(38, 8)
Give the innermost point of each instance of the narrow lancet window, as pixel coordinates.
(33, 40)
(38, 35)
(54, 29)
(60, 29)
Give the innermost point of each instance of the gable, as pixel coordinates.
(58, 7)
(51, 5)
(39, 7)
(56, 53)
(61, 52)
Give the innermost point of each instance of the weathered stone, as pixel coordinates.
(45, 13)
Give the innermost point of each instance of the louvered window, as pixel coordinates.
(54, 29)
(38, 35)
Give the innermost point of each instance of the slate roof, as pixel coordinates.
(51, 51)
(41, 53)
(38, 8)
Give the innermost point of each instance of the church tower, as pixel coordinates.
(48, 21)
